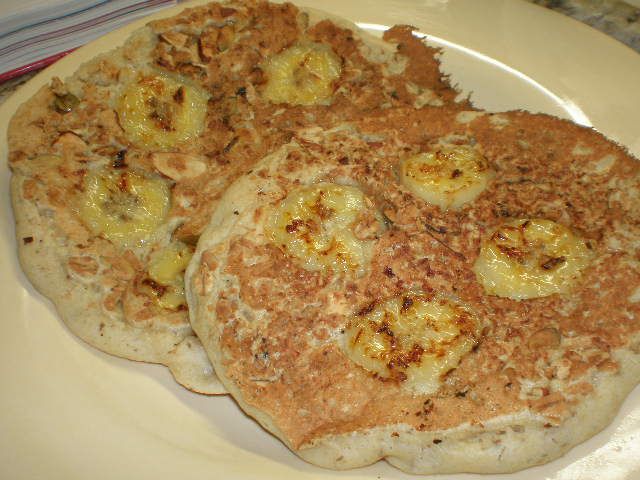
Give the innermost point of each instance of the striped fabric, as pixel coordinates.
(35, 33)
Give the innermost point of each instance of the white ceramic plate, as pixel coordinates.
(70, 412)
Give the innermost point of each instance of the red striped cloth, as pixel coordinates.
(33, 38)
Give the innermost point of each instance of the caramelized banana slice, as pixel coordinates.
(530, 258)
(326, 227)
(157, 112)
(414, 338)
(166, 271)
(448, 177)
(123, 206)
(302, 75)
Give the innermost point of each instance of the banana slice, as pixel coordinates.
(302, 75)
(166, 272)
(157, 112)
(326, 227)
(123, 206)
(414, 338)
(530, 258)
(448, 177)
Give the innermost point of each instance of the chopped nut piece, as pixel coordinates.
(178, 166)
(177, 39)
(70, 142)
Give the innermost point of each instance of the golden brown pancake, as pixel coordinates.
(357, 321)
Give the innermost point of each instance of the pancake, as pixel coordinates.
(448, 291)
(117, 168)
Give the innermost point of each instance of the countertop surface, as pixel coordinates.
(616, 18)
(619, 19)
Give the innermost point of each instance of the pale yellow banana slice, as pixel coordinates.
(414, 338)
(166, 269)
(302, 75)
(529, 258)
(158, 112)
(326, 227)
(447, 177)
(125, 207)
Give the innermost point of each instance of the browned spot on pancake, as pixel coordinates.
(209, 259)
(83, 266)
(124, 266)
(582, 388)
(545, 338)
(29, 189)
(114, 297)
(57, 196)
(608, 365)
